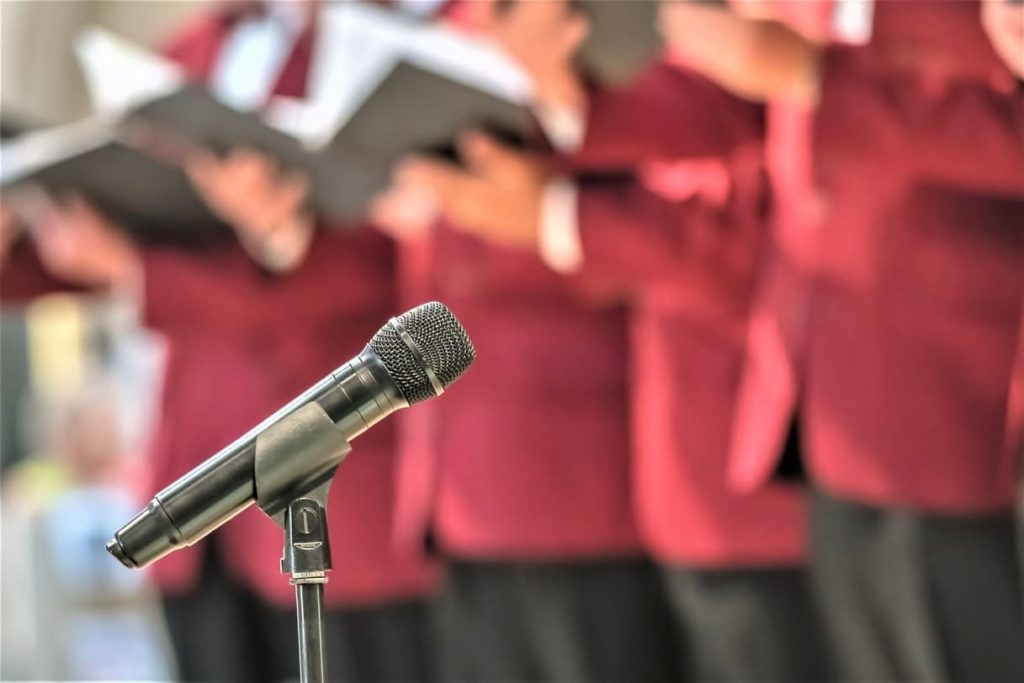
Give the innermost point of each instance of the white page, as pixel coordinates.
(30, 152)
(120, 75)
(470, 60)
(357, 46)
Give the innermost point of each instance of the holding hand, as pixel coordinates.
(78, 244)
(264, 206)
(497, 198)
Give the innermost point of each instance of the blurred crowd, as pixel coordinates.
(749, 396)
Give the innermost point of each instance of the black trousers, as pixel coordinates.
(213, 632)
(558, 621)
(223, 633)
(910, 596)
(748, 624)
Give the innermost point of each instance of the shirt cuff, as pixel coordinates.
(563, 126)
(559, 239)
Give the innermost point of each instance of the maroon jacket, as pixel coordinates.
(527, 457)
(242, 343)
(690, 263)
(893, 325)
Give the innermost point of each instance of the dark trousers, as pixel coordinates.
(223, 633)
(558, 621)
(910, 596)
(747, 624)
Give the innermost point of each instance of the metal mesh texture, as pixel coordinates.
(440, 338)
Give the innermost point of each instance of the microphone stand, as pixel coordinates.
(307, 557)
(295, 463)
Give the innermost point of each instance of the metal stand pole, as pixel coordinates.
(294, 463)
(307, 557)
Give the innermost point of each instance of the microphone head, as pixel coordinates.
(424, 350)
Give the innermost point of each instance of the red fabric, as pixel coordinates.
(527, 456)
(243, 343)
(898, 339)
(23, 277)
(532, 444)
(692, 266)
(686, 243)
(232, 364)
(1015, 414)
(667, 112)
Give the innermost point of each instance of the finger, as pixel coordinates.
(576, 31)
(442, 178)
(294, 188)
(404, 213)
(246, 171)
(409, 167)
(484, 13)
(202, 168)
(482, 153)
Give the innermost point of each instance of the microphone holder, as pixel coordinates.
(295, 463)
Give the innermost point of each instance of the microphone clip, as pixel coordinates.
(295, 461)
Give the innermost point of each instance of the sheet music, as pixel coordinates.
(120, 75)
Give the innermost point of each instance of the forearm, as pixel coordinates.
(618, 234)
(755, 59)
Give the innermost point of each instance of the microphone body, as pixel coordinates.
(356, 396)
(412, 358)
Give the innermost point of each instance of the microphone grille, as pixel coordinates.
(441, 341)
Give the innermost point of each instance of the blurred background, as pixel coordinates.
(79, 384)
(749, 396)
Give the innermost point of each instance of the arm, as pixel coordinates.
(764, 60)
(675, 223)
(630, 237)
(667, 112)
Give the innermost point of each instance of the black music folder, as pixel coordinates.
(131, 165)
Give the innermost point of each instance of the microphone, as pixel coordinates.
(414, 357)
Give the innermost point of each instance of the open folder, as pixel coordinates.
(407, 88)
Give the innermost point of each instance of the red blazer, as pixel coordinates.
(667, 112)
(527, 456)
(242, 343)
(896, 339)
(692, 266)
(689, 264)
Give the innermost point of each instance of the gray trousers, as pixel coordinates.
(912, 597)
(745, 625)
(559, 621)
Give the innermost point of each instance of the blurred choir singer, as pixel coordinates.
(250, 324)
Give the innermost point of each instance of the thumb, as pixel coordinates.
(483, 154)
(576, 31)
